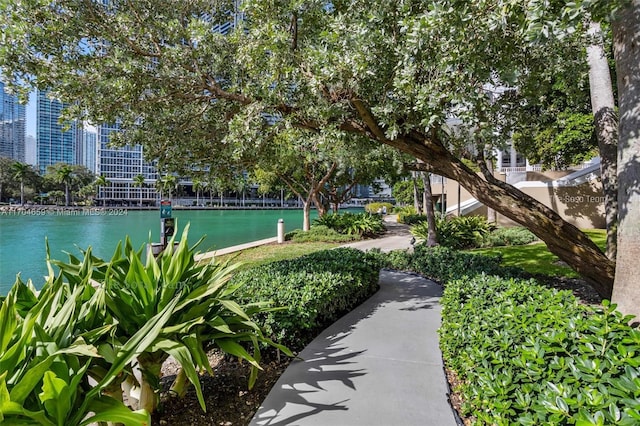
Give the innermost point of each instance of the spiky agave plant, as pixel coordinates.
(47, 346)
(183, 307)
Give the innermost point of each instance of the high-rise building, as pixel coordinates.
(12, 126)
(88, 138)
(120, 166)
(54, 143)
(30, 156)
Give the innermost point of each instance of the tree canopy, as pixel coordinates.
(394, 72)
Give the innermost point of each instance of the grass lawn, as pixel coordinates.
(536, 259)
(273, 252)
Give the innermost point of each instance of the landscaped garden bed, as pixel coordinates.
(516, 350)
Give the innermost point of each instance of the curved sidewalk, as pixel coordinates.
(378, 365)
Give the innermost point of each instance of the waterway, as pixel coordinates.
(22, 236)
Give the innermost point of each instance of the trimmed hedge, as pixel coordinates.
(411, 218)
(315, 290)
(528, 355)
(443, 264)
(319, 233)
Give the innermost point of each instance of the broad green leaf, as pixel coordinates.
(8, 320)
(137, 344)
(31, 378)
(183, 328)
(109, 410)
(55, 396)
(10, 409)
(195, 347)
(232, 348)
(235, 308)
(4, 392)
(181, 353)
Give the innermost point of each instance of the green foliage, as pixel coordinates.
(374, 208)
(96, 318)
(411, 219)
(568, 138)
(50, 344)
(403, 191)
(314, 290)
(526, 354)
(319, 233)
(458, 232)
(404, 210)
(443, 264)
(362, 224)
(511, 236)
(537, 259)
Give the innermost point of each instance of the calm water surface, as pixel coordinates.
(22, 237)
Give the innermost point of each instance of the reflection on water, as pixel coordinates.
(22, 237)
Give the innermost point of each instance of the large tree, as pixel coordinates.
(22, 173)
(6, 175)
(626, 30)
(69, 178)
(392, 71)
(301, 160)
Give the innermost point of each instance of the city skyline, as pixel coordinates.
(12, 126)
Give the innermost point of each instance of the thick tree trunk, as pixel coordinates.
(626, 36)
(563, 239)
(606, 128)
(491, 213)
(306, 215)
(416, 198)
(432, 236)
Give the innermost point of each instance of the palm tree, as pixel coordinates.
(197, 186)
(101, 181)
(138, 180)
(64, 174)
(20, 172)
(167, 183)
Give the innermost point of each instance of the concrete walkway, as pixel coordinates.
(397, 237)
(378, 365)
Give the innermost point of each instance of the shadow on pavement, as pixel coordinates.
(330, 374)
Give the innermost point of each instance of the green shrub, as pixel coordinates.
(362, 224)
(315, 290)
(66, 350)
(512, 236)
(399, 260)
(50, 339)
(404, 210)
(411, 218)
(459, 232)
(528, 355)
(319, 233)
(373, 208)
(443, 264)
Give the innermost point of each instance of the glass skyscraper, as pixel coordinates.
(53, 144)
(12, 126)
(89, 154)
